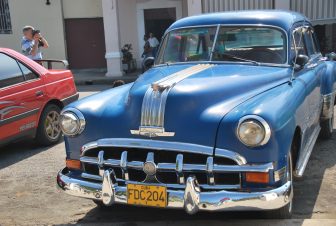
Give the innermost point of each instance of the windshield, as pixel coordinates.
(239, 43)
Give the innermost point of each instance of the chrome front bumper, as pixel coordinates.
(192, 199)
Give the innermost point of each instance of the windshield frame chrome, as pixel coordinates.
(285, 64)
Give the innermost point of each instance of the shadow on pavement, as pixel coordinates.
(18, 151)
(306, 191)
(93, 88)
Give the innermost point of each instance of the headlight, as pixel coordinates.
(253, 131)
(72, 122)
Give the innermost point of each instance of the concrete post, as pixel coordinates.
(111, 29)
(194, 7)
(282, 4)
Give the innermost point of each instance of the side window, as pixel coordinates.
(28, 74)
(10, 73)
(311, 42)
(317, 44)
(299, 42)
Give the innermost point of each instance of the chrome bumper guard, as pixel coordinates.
(192, 199)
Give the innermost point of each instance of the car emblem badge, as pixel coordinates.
(149, 168)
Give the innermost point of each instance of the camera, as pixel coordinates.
(34, 32)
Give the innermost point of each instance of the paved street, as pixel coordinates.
(28, 193)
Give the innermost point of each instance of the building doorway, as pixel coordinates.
(158, 20)
(325, 34)
(85, 43)
(155, 16)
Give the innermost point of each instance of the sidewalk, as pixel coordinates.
(97, 77)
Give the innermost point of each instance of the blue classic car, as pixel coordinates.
(226, 117)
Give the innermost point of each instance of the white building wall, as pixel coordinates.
(128, 26)
(47, 18)
(82, 9)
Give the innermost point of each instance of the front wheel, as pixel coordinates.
(286, 211)
(49, 131)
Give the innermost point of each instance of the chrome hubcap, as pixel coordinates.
(290, 178)
(51, 125)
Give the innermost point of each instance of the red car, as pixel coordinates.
(31, 98)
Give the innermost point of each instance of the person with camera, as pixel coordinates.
(32, 42)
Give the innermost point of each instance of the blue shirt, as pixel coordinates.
(27, 46)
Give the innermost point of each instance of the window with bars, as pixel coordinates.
(5, 21)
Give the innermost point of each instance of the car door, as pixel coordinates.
(312, 81)
(21, 99)
(318, 67)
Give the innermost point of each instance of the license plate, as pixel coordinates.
(146, 195)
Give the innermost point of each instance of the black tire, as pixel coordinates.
(44, 136)
(327, 127)
(286, 211)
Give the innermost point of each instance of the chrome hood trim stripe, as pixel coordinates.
(154, 102)
(175, 78)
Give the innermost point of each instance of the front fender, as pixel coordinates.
(98, 109)
(282, 107)
(329, 78)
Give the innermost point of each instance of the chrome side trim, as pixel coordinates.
(328, 105)
(306, 152)
(154, 102)
(70, 99)
(191, 197)
(4, 121)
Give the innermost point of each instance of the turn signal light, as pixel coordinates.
(257, 177)
(73, 164)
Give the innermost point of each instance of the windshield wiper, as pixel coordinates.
(229, 56)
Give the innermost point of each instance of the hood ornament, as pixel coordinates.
(152, 132)
(154, 102)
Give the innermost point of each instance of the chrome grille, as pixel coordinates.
(171, 167)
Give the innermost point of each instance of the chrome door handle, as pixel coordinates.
(39, 93)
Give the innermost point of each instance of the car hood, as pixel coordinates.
(194, 106)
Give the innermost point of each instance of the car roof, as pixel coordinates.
(279, 18)
(18, 56)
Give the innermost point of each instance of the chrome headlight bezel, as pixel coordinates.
(258, 121)
(79, 119)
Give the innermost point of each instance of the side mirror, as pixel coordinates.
(148, 63)
(301, 60)
(331, 56)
